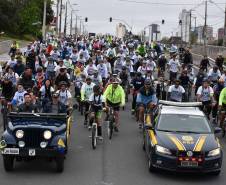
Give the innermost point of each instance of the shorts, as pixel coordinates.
(115, 106)
(97, 111)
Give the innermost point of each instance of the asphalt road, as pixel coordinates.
(118, 162)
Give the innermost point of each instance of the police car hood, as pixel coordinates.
(187, 141)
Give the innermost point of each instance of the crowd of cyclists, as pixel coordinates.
(95, 73)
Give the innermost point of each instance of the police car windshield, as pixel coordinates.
(183, 123)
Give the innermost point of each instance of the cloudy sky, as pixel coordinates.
(142, 14)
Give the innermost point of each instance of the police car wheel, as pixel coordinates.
(150, 165)
(8, 163)
(59, 164)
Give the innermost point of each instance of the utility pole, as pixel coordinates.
(57, 16)
(225, 26)
(205, 30)
(65, 21)
(44, 21)
(80, 29)
(61, 4)
(71, 23)
(190, 35)
(76, 26)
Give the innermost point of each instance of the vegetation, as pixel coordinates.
(17, 17)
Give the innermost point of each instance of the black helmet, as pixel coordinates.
(147, 82)
(139, 74)
(63, 83)
(123, 68)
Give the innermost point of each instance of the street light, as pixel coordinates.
(44, 21)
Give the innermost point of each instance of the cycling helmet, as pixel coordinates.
(147, 82)
(205, 80)
(63, 83)
(123, 68)
(139, 74)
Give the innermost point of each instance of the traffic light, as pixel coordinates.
(180, 22)
(86, 19)
(163, 21)
(110, 19)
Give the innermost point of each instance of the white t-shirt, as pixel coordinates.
(19, 97)
(176, 93)
(174, 64)
(87, 90)
(206, 93)
(98, 99)
(64, 96)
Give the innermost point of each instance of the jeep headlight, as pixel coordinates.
(162, 150)
(47, 134)
(19, 134)
(214, 152)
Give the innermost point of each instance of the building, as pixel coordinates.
(154, 33)
(120, 30)
(185, 30)
(220, 33)
(209, 34)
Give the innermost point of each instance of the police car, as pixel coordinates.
(182, 139)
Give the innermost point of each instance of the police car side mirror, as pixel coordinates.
(148, 127)
(217, 130)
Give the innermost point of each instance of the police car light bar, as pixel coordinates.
(180, 104)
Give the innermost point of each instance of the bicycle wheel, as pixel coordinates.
(94, 139)
(110, 128)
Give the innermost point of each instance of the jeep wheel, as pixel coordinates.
(8, 162)
(59, 164)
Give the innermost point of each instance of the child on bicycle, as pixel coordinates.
(96, 106)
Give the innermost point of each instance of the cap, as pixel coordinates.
(63, 83)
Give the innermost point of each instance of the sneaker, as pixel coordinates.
(89, 127)
(133, 111)
(116, 129)
(100, 138)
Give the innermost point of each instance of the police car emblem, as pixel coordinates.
(190, 153)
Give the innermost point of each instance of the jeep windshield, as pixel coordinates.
(183, 123)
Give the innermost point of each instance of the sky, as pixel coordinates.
(138, 15)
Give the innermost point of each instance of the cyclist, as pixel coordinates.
(64, 93)
(86, 91)
(114, 96)
(205, 95)
(176, 92)
(205, 63)
(173, 67)
(217, 90)
(222, 106)
(219, 61)
(198, 80)
(97, 103)
(213, 75)
(146, 97)
(162, 61)
(18, 98)
(185, 82)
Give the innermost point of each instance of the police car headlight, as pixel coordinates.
(47, 134)
(162, 150)
(19, 134)
(214, 152)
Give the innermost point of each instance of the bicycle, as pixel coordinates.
(223, 127)
(111, 121)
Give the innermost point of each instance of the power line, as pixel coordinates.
(161, 3)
